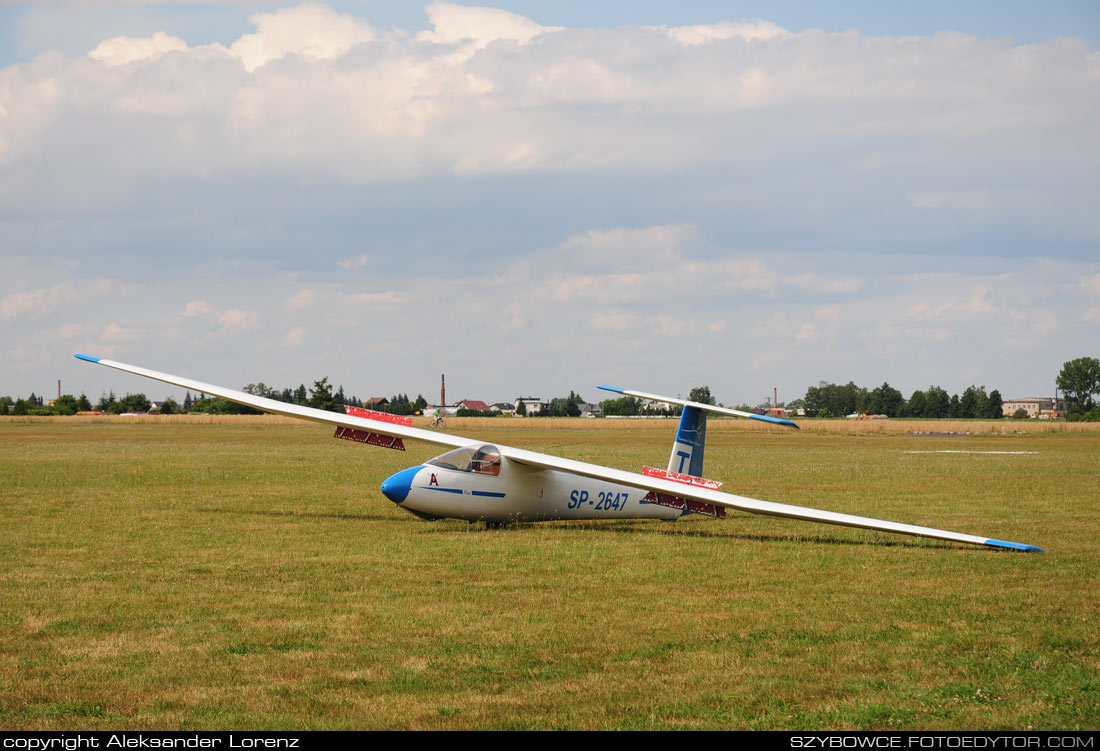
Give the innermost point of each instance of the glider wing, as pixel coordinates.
(290, 410)
(741, 503)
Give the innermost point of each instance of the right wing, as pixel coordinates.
(741, 503)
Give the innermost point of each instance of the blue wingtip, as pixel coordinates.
(611, 388)
(1014, 546)
(777, 421)
(89, 358)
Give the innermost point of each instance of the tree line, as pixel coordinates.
(1079, 381)
(834, 400)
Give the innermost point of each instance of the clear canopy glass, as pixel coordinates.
(482, 460)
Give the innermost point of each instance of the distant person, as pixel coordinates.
(437, 419)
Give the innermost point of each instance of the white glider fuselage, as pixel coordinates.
(516, 493)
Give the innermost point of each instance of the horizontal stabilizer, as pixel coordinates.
(699, 405)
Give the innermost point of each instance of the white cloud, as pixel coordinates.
(122, 50)
(234, 320)
(723, 30)
(355, 262)
(478, 26)
(295, 337)
(197, 309)
(314, 32)
(808, 333)
(35, 301)
(116, 334)
(302, 299)
(671, 98)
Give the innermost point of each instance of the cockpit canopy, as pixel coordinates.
(482, 460)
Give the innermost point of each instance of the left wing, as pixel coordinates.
(290, 410)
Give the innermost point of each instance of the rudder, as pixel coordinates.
(691, 438)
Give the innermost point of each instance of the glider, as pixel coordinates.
(479, 481)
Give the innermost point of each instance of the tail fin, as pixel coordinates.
(691, 439)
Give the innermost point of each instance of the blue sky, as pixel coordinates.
(541, 197)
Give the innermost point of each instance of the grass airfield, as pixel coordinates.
(248, 573)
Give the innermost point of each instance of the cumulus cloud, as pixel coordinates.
(35, 301)
(295, 336)
(478, 26)
(197, 309)
(314, 32)
(123, 50)
(346, 102)
(747, 30)
(234, 320)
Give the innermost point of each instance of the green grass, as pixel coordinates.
(253, 576)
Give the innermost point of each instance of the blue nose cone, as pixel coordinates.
(396, 487)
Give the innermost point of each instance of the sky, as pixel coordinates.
(534, 198)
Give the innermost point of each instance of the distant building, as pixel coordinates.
(376, 402)
(1036, 407)
(532, 405)
(473, 404)
(591, 410)
(504, 408)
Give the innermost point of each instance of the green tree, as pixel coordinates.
(320, 396)
(974, 402)
(5, 404)
(887, 400)
(833, 400)
(105, 401)
(625, 406)
(66, 404)
(1020, 414)
(421, 402)
(20, 407)
(915, 406)
(1079, 380)
(993, 408)
(169, 407)
(82, 404)
(936, 403)
(700, 394)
